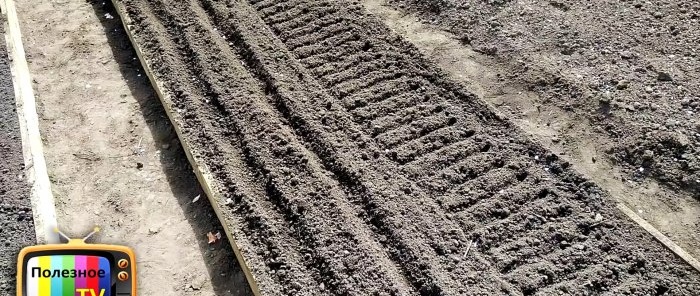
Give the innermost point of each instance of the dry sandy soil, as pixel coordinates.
(112, 156)
(347, 163)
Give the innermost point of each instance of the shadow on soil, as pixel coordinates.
(225, 273)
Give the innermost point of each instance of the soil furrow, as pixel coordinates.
(452, 178)
(422, 274)
(322, 36)
(508, 187)
(266, 228)
(409, 107)
(443, 157)
(380, 92)
(410, 131)
(480, 188)
(273, 7)
(409, 151)
(343, 175)
(399, 244)
(347, 63)
(352, 74)
(328, 20)
(350, 87)
(294, 207)
(295, 16)
(291, 23)
(482, 115)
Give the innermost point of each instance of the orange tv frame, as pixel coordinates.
(76, 268)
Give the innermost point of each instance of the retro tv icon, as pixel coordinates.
(76, 268)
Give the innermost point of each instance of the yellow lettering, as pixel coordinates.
(92, 292)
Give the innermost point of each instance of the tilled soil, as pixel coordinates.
(630, 67)
(350, 165)
(16, 222)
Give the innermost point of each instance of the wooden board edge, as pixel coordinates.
(200, 169)
(42, 200)
(663, 239)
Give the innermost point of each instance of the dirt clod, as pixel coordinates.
(663, 76)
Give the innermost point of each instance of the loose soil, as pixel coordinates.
(112, 156)
(572, 136)
(16, 221)
(348, 164)
(630, 68)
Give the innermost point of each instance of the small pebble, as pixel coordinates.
(663, 76)
(623, 84)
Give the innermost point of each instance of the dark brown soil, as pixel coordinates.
(16, 222)
(352, 166)
(630, 67)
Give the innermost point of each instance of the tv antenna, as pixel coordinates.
(64, 236)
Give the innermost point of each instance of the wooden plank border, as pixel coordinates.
(43, 207)
(200, 168)
(680, 252)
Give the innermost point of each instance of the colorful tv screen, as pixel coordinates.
(56, 275)
(100, 271)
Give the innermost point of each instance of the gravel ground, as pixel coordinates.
(631, 67)
(347, 164)
(16, 222)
